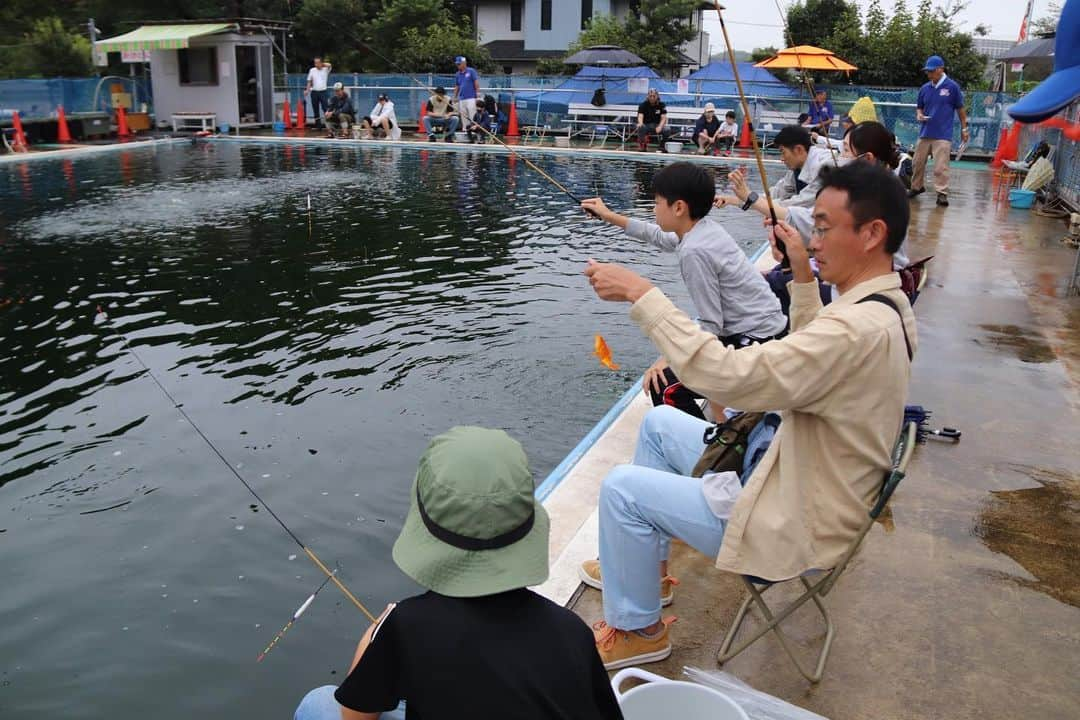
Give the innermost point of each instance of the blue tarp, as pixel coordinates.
(581, 87)
(717, 79)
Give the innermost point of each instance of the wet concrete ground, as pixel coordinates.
(965, 602)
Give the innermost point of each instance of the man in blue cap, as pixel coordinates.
(1063, 86)
(938, 99)
(466, 90)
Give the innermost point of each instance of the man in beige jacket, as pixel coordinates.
(839, 381)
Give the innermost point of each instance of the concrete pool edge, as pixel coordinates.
(83, 150)
(569, 493)
(496, 149)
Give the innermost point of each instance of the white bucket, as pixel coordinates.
(673, 147)
(562, 141)
(663, 698)
(461, 137)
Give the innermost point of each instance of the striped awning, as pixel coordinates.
(159, 37)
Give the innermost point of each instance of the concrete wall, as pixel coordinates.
(171, 97)
(565, 23)
(493, 20)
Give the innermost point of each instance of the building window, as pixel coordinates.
(198, 66)
(586, 13)
(515, 16)
(545, 14)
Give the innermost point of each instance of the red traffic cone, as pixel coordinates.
(423, 114)
(286, 115)
(121, 123)
(62, 133)
(300, 121)
(744, 136)
(512, 123)
(20, 136)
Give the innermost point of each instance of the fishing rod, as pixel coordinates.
(753, 135)
(295, 616)
(331, 576)
(805, 75)
(488, 132)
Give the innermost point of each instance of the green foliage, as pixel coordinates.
(433, 50)
(889, 49)
(51, 50)
(312, 39)
(1047, 23)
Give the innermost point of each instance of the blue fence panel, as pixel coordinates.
(34, 98)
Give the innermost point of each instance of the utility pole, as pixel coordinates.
(93, 32)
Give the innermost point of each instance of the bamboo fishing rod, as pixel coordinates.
(331, 576)
(753, 135)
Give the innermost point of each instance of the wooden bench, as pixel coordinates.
(620, 120)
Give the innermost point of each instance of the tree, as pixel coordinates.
(1048, 23)
(433, 50)
(812, 22)
(349, 18)
(54, 51)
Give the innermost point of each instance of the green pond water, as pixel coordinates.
(430, 289)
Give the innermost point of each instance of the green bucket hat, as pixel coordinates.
(474, 527)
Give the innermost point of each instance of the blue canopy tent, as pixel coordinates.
(717, 79)
(580, 89)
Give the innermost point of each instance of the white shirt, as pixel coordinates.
(318, 78)
(382, 110)
(729, 128)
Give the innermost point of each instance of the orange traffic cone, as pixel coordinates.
(512, 122)
(744, 136)
(423, 114)
(121, 123)
(20, 136)
(62, 133)
(300, 121)
(286, 115)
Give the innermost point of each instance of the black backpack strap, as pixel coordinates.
(878, 297)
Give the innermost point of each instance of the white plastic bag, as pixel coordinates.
(756, 704)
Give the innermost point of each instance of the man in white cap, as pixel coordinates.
(466, 90)
(938, 99)
(477, 643)
(339, 112)
(706, 129)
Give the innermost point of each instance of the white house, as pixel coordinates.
(224, 68)
(519, 32)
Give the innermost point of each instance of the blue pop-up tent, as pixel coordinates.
(717, 79)
(580, 89)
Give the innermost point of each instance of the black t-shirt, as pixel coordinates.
(511, 655)
(651, 113)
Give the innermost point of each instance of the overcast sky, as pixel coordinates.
(757, 23)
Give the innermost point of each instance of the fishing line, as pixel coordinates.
(331, 576)
(295, 616)
(753, 135)
(488, 132)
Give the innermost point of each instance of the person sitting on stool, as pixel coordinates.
(652, 120)
(339, 111)
(480, 120)
(440, 115)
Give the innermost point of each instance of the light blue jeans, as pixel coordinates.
(319, 704)
(643, 506)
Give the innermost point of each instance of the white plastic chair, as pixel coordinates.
(660, 697)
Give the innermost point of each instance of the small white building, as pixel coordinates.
(221, 68)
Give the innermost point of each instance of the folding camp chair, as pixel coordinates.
(817, 584)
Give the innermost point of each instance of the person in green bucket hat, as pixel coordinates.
(478, 643)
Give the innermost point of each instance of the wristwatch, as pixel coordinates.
(750, 200)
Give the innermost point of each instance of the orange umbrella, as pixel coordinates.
(806, 57)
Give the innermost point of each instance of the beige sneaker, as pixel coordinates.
(619, 648)
(589, 572)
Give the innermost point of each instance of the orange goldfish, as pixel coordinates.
(602, 351)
